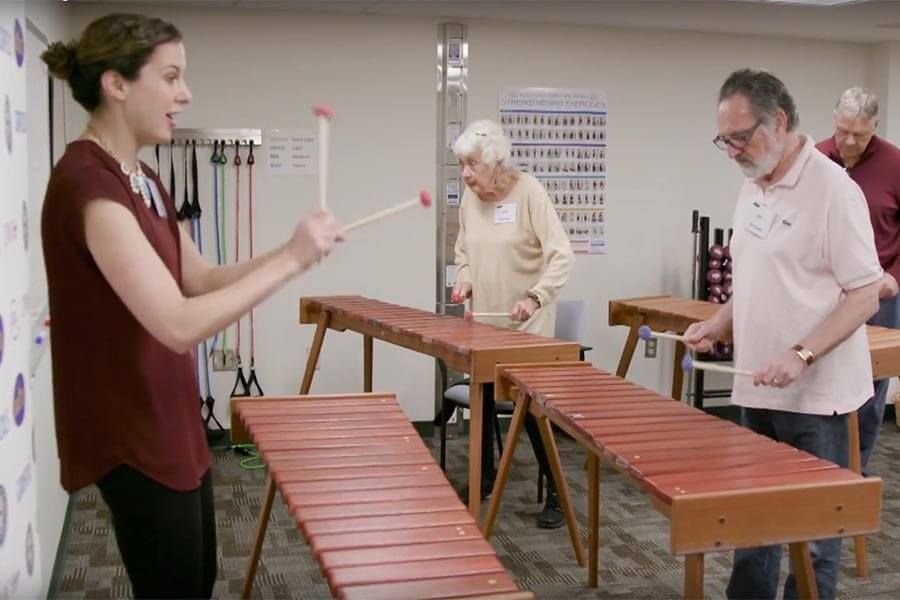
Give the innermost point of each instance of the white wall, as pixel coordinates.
(892, 107)
(379, 73)
(884, 77)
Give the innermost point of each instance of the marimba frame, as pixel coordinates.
(692, 532)
(668, 313)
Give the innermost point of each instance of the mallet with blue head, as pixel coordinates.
(646, 334)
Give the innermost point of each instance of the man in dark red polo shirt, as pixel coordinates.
(874, 164)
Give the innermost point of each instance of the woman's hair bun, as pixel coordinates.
(60, 59)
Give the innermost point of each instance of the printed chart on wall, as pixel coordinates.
(20, 571)
(559, 136)
(291, 152)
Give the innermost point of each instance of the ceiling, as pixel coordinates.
(866, 21)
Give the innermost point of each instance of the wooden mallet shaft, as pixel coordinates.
(324, 114)
(688, 364)
(469, 315)
(422, 199)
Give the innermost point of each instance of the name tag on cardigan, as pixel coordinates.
(505, 213)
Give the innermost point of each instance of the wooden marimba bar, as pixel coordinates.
(722, 486)
(375, 508)
(469, 347)
(668, 313)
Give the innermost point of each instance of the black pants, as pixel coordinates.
(167, 539)
(487, 442)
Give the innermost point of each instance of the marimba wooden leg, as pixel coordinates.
(804, 575)
(509, 450)
(859, 541)
(313, 359)
(678, 372)
(367, 363)
(693, 577)
(630, 345)
(593, 519)
(562, 488)
(476, 406)
(265, 510)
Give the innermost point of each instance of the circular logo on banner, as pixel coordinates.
(19, 43)
(25, 225)
(2, 515)
(29, 551)
(19, 400)
(1, 339)
(7, 124)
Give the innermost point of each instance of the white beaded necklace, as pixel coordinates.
(136, 179)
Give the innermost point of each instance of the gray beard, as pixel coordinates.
(765, 165)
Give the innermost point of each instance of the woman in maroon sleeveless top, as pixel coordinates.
(130, 297)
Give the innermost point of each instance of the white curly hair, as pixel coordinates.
(485, 141)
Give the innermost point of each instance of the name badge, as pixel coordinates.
(158, 203)
(505, 213)
(760, 220)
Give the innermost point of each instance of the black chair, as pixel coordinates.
(570, 326)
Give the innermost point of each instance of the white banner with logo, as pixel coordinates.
(20, 571)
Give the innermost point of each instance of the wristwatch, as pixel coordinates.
(807, 356)
(535, 297)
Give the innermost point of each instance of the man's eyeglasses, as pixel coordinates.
(738, 140)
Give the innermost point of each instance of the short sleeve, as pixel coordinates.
(849, 239)
(79, 189)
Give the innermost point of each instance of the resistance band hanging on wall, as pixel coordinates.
(223, 204)
(203, 354)
(210, 401)
(172, 192)
(252, 381)
(196, 212)
(189, 208)
(184, 212)
(240, 383)
(217, 160)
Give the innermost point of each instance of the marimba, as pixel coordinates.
(722, 486)
(473, 348)
(668, 313)
(378, 513)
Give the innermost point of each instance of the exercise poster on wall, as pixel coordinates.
(559, 136)
(20, 573)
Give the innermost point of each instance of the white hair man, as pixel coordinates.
(874, 164)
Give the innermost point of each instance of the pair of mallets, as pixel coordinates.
(324, 114)
(688, 363)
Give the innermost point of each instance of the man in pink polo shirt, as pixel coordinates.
(874, 164)
(806, 279)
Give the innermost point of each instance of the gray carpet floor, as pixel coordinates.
(635, 560)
